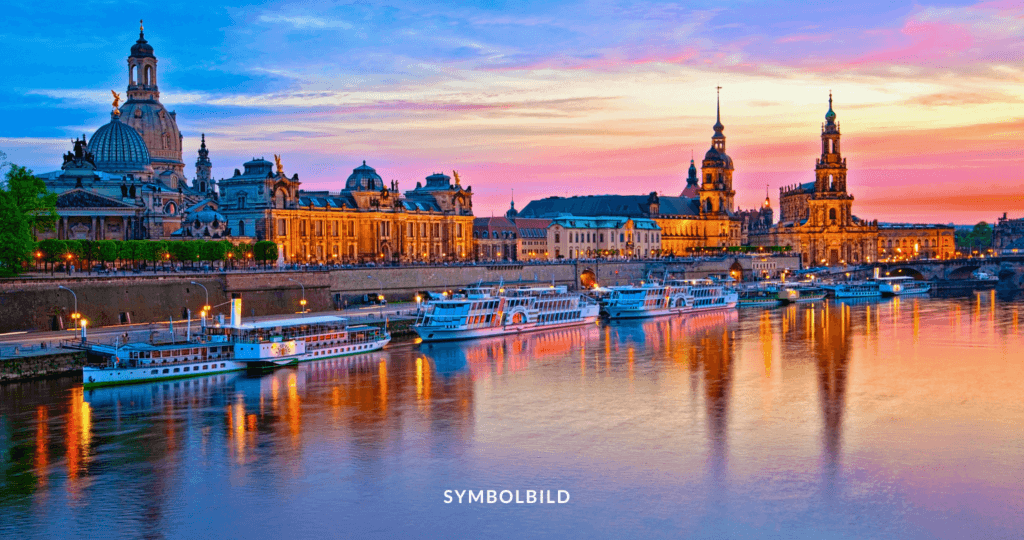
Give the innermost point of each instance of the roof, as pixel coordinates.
(294, 321)
(610, 205)
(603, 222)
(117, 147)
(80, 198)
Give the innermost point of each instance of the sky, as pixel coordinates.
(552, 97)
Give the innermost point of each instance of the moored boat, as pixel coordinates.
(235, 346)
(901, 286)
(494, 311)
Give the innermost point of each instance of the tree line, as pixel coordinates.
(152, 254)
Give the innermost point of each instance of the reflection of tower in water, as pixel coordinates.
(713, 350)
(827, 331)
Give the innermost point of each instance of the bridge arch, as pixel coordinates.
(588, 279)
(907, 271)
(963, 272)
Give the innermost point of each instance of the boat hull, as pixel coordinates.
(96, 376)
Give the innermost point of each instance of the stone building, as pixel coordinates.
(908, 241)
(816, 218)
(495, 239)
(1008, 235)
(702, 216)
(588, 237)
(127, 182)
(365, 221)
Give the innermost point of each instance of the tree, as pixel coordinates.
(15, 238)
(213, 251)
(134, 250)
(106, 251)
(264, 251)
(38, 204)
(53, 250)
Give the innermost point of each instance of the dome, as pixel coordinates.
(830, 116)
(712, 155)
(364, 178)
(142, 48)
(208, 217)
(117, 147)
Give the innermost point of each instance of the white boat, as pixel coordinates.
(235, 346)
(854, 289)
(495, 311)
(653, 299)
(901, 285)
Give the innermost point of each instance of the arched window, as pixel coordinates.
(832, 213)
(241, 228)
(241, 201)
(279, 198)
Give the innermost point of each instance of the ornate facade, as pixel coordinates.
(127, 181)
(366, 221)
(817, 221)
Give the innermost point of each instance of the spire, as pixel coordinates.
(830, 116)
(718, 111)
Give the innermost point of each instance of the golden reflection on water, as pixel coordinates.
(820, 384)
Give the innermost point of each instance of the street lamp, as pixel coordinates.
(303, 301)
(380, 294)
(75, 315)
(206, 306)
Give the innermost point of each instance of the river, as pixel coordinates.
(872, 419)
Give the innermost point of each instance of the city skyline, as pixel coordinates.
(549, 100)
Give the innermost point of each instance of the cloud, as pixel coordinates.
(305, 22)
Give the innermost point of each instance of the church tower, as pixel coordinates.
(203, 182)
(716, 193)
(692, 189)
(144, 112)
(830, 204)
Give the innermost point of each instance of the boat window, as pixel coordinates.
(176, 370)
(165, 370)
(154, 372)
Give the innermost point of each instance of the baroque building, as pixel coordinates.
(816, 219)
(702, 216)
(127, 182)
(367, 220)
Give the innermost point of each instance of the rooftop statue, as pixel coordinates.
(456, 175)
(280, 168)
(117, 103)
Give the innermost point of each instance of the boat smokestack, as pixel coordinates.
(236, 310)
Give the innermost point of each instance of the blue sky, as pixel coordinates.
(551, 98)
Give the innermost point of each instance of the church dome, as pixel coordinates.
(142, 48)
(712, 155)
(117, 147)
(364, 178)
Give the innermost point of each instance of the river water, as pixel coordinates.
(882, 419)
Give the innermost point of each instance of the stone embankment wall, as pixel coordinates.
(40, 365)
(37, 304)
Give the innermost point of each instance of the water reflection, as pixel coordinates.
(778, 419)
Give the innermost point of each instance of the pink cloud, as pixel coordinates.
(929, 41)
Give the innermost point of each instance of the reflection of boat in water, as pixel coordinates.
(800, 293)
(484, 312)
(657, 331)
(147, 395)
(478, 355)
(223, 348)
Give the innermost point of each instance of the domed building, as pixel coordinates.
(127, 182)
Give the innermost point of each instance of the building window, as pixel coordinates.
(241, 228)
(458, 230)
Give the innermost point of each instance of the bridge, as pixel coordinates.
(1009, 269)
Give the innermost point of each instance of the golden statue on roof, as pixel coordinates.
(140, 26)
(280, 168)
(117, 103)
(456, 175)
